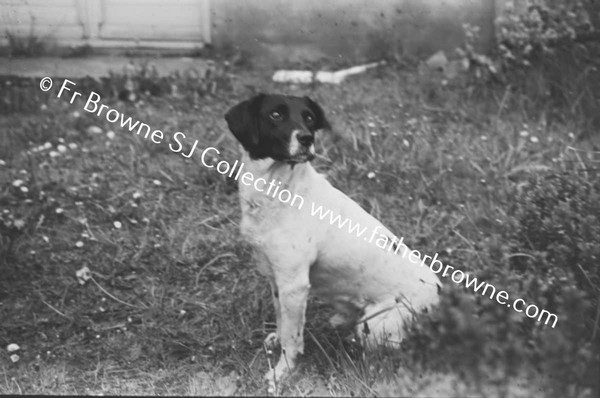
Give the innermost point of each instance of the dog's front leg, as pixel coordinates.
(272, 339)
(293, 296)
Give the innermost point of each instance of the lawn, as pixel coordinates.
(173, 305)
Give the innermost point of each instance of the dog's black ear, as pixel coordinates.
(242, 120)
(321, 122)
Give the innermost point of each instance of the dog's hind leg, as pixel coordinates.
(383, 326)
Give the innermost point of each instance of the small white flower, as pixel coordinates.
(182, 312)
(571, 135)
(15, 358)
(137, 195)
(83, 275)
(117, 224)
(2, 162)
(17, 183)
(94, 130)
(61, 140)
(85, 235)
(110, 135)
(145, 220)
(76, 114)
(61, 148)
(54, 154)
(406, 143)
(23, 171)
(43, 107)
(47, 145)
(19, 224)
(524, 133)
(59, 210)
(157, 182)
(72, 145)
(483, 138)
(45, 238)
(371, 175)
(534, 139)
(371, 124)
(373, 133)
(24, 189)
(79, 243)
(12, 347)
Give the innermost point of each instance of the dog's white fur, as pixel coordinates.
(300, 253)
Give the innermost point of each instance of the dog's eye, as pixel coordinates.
(309, 119)
(276, 116)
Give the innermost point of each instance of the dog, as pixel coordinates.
(376, 291)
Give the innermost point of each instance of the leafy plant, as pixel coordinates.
(526, 35)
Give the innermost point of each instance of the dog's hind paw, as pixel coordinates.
(271, 341)
(339, 321)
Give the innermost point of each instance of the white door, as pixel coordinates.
(173, 20)
(107, 22)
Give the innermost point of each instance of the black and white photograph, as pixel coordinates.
(342, 198)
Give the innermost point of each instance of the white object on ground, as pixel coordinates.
(306, 76)
(12, 347)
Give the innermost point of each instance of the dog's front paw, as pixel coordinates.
(275, 376)
(271, 341)
(272, 382)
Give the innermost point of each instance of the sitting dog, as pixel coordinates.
(373, 289)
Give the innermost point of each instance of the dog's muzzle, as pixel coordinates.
(302, 148)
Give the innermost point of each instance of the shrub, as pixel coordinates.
(551, 251)
(524, 36)
(547, 53)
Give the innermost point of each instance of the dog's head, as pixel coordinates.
(277, 126)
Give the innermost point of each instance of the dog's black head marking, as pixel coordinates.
(277, 126)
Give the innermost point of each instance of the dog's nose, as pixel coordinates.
(305, 138)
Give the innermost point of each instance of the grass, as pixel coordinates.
(175, 306)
